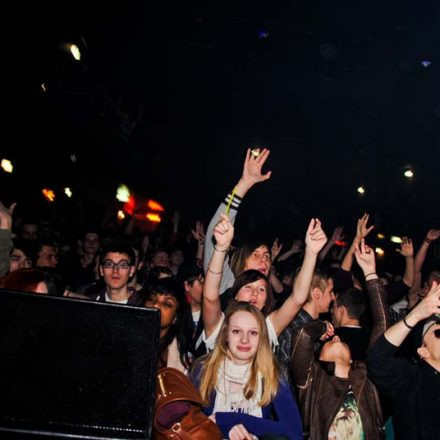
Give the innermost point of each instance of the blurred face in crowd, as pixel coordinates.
(160, 259)
(254, 293)
(29, 231)
(91, 243)
(116, 269)
(259, 260)
(176, 258)
(194, 290)
(18, 260)
(335, 351)
(48, 256)
(243, 337)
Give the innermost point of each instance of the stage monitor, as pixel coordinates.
(75, 368)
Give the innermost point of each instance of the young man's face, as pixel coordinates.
(431, 342)
(116, 269)
(48, 256)
(327, 297)
(259, 260)
(18, 260)
(161, 259)
(91, 243)
(29, 231)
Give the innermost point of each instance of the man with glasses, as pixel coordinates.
(116, 268)
(412, 389)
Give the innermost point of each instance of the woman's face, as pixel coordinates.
(243, 337)
(168, 305)
(259, 260)
(254, 293)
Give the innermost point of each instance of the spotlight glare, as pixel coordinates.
(48, 194)
(121, 215)
(7, 166)
(123, 193)
(68, 192)
(425, 63)
(380, 236)
(155, 218)
(395, 239)
(75, 52)
(408, 174)
(361, 190)
(380, 251)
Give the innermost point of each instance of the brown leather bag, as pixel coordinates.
(177, 397)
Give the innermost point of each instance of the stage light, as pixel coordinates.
(380, 251)
(123, 193)
(121, 215)
(73, 158)
(74, 50)
(48, 194)
(155, 206)
(395, 239)
(263, 34)
(155, 218)
(408, 174)
(7, 166)
(43, 87)
(425, 63)
(68, 192)
(380, 236)
(361, 190)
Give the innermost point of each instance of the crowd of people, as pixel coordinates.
(306, 343)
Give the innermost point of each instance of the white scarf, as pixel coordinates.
(228, 401)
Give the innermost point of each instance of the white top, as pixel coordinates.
(212, 340)
(107, 298)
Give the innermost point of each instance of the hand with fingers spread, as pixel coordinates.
(297, 246)
(315, 237)
(223, 233)
(365, 258)
(362, 228)
(406, 248)
(239, 432)
(6, 216)
(275, 250)
(199, 233)
(432, 234)
(253, 164)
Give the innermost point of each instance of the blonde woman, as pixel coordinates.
(241, 384)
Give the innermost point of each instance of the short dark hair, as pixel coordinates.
(353, 300)
(189, 273)
(121, 247)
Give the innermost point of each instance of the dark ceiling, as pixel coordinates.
(166, 99)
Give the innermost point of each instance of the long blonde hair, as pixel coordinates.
(264, 361)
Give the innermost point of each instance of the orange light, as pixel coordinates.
(155, 206)
(155, 218)
(48, 194)
(121, 215)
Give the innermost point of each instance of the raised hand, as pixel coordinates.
(329, 331)
(223, 233)
(199, 232)
(297, 246)
(252, 167)
(337, 234)
(362, 229)
(315, 237)
(275, 250)
(365, 258)
(406, 248)
(430, 305)
(433, 234)
(6, 216)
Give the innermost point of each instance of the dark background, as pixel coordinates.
(336, 90)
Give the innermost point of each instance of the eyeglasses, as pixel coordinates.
(109, 264)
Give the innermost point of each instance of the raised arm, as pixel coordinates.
(252, 174)
(336, 236)
(315, 240)
(362, 230)
(375, 289)
(5, 236)
(407, 251)
(211, 309)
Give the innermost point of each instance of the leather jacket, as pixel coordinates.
(320, 393)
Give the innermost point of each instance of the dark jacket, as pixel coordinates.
(412, 390)
(320, 393)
